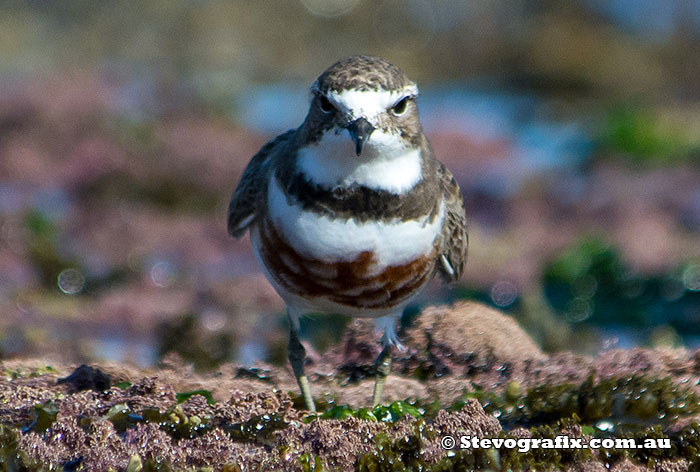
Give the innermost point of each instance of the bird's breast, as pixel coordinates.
(358, 280)
(393, 241)
(370, 264)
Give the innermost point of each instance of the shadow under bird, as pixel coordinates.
(351, 213)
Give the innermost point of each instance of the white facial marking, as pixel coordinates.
(385, 162)
(369, 103)
(328, 239)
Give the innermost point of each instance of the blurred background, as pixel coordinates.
(573, 128)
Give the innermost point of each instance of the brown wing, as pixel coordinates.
(248, 196)
(454, 238)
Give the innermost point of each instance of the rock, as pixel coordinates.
(472, 329)
(360, 393)
(85, 377)
(461, 339)
(471, 420)
(680, 465)
(627, 465)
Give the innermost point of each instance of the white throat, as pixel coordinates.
(385, 163)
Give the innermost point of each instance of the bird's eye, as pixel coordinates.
(326, 105)
(400, 107)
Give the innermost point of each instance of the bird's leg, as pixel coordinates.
(297, 354)
(383, 367)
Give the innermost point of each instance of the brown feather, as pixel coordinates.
(249, 196)
(349, 283)
(454, 238)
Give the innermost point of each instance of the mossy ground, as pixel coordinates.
(465, 370)
(141, 423)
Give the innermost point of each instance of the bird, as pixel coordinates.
(351, 213)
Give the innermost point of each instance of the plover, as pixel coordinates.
(351, 213)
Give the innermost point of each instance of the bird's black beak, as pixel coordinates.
(360, 129)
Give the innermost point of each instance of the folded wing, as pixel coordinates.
(249, 195)
(454, 239)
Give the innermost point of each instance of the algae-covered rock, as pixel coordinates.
(470, 329)
(453, 379)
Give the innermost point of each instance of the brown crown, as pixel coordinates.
(361, 73)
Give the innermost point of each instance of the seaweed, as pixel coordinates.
(388, 414)
(628, 401)
(184, 396)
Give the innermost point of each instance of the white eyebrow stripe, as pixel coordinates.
(369, 103)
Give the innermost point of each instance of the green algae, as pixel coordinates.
(118, 413)
(42, 247)
(258, 428)
(176, 423)
(20, 373)
(634, 407)
(634, 401)
(323, 402)
(172, 421)
(184, 396)
(625, 401)
(406, 453)
(642, 136)
(9, 446)
(591, 284)
(388, 414)
(231, 468)
(402, 454)
(13, 459)
(310, 463)
(135, 464)
(43, 417)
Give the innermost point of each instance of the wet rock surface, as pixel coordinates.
(465, 370)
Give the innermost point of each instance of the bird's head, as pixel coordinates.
(369, 99)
